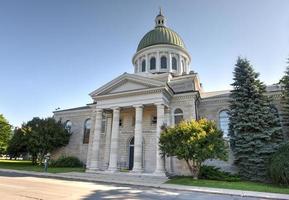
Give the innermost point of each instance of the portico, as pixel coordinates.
(115, 146)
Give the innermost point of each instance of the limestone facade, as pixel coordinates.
(126, 114)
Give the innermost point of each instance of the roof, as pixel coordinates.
(72, 109)
(161, 35)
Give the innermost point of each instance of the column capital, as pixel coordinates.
(115, 108)
(138, 106)
(98, 110)
(159, 104)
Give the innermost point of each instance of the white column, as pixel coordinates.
(158, 62)
(147, 63)
(138, 65)
(107, 139)
(114, 141)
(94, 154)
(179, 65)
(170, 62)
(160, 165)
(137, 161)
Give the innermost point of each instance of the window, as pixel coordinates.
(68, 125)
(163, 62)
(154, 120)
(103, 123)
(87, 126)
(224, 122)
(143, 66)
(174, 63)
(153, 63)
(178, 115)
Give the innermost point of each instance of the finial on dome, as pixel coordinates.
(160, 13)
(160, 19)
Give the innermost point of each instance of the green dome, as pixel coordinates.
(161, 35)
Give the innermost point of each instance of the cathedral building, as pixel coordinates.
(121, 128)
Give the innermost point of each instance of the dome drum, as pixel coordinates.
(160, 59)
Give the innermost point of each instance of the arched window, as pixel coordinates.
(224, 122)
(68, 125)
(174, 63)
(163, 62)
(153, 63)
(87, 126)
(143, 66)
(178, 115)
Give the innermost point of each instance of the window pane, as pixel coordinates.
(153, 63)
(224, 122)
(68, 125)
(178, 119)
(163, 62)
(87, 126)
(174, 63)
(143, 66)
(178, 115)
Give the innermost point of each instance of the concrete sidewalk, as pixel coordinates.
(147, 181)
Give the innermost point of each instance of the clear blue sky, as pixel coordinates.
(53, 53)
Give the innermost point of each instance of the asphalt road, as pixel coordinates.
(18, 187)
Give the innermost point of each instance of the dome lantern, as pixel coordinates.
(160, 19)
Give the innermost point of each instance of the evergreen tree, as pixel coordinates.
(285, 100)
(254, 129)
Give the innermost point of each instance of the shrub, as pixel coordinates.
(214, 173)
(66, 161)
(278, 167)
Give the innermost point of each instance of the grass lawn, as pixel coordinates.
(27, 166)
(239, 185)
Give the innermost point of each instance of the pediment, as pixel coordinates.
(126, 83)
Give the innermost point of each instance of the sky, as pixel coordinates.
(54, 53)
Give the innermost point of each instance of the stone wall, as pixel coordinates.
(75, 146)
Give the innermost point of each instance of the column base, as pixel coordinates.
(137, 171)
(112, 170)
(92, 170)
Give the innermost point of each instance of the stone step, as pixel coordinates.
(122, 177)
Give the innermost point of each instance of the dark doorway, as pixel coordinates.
(131, 153)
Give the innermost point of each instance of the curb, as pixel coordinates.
(241, 193)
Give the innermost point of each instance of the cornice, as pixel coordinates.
(130, 93)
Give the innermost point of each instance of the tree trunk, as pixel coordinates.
(194, 169)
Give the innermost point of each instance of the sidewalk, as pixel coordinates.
(147, 181)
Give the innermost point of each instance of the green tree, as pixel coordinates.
(285, 100)
(5, 134)
(43, 136)
(195, 142)
(38, 137)
(254, 129)
(17, 146)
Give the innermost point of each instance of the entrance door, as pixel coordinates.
(131, 153)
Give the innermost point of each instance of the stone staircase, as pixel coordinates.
(129, 178)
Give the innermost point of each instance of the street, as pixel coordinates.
(15, 186)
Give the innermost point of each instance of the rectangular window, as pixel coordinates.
(120, 122)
